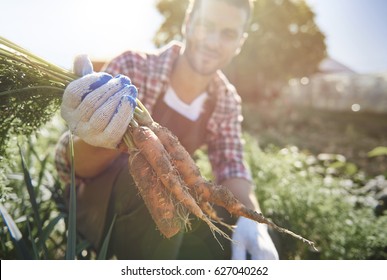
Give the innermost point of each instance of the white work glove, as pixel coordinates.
(98, 107)
(253, 238)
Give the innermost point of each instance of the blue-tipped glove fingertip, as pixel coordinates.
(123, 79)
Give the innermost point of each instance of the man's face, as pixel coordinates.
(214, 35)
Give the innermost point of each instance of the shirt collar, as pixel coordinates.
(168, 54)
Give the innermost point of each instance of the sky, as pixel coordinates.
(356, 32)
(57, 30)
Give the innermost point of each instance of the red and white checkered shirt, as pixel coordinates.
(150, 72)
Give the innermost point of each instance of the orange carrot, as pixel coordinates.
(169, 219)
(156, 155)
(190, 173)
(211, 213)
(205, 191)
(202, 190)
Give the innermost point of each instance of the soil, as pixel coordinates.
(351, 134)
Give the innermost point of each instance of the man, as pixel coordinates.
(183, 88)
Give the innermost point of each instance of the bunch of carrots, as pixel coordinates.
(165, 173)
(166, 176)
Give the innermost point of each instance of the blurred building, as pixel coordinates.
(337, 87)
(329, 66)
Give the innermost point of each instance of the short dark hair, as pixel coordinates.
(247, 5)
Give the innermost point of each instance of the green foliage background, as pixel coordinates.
(311, 195)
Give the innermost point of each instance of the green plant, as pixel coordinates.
(35, 203)
(314, 198)
(378, 151)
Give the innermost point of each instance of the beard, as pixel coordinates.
(203, 60)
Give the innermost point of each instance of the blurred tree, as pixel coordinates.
(173, 12)
(284, 42)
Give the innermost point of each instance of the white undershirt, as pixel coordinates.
(190, 111)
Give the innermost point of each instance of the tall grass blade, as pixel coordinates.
(16, 235)
(72, 230)
(13, 229)
(37, 61)
(32, 239)
(43, 169)
(51, 225)
(104, 249)
(34, 204)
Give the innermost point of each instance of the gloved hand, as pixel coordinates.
(98, 107)
(253, 238)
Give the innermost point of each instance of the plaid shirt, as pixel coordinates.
(150, 72)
